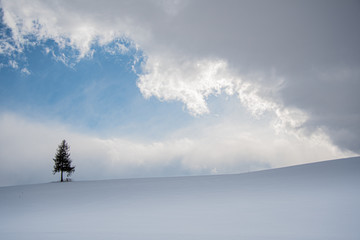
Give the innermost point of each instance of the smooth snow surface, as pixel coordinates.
(312, 201)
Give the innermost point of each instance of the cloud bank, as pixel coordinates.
(28, 147)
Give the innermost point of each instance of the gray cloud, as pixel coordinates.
(313, 46)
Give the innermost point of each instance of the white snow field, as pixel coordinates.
(312, 201)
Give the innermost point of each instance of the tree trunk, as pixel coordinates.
(61, 175)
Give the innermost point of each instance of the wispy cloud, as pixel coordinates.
(25, 71)
(193, 81)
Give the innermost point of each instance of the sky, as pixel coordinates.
(167, 88)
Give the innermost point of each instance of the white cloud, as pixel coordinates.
(191, 82)
(65, 25)
(119, 48)
(27, 149)
(6, 48)
(25, 71)
(13, 64)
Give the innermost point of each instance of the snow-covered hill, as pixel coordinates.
(312, 201)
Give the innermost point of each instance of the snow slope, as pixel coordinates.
(312, 201)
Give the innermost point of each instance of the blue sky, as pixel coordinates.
(164, 88)
(96, 94)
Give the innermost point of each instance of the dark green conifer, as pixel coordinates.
(62, 160)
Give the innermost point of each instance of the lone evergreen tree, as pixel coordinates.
(62, 160)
